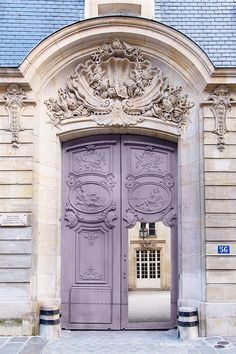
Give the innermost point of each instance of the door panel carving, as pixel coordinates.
(91, 255)
(90, 274)
(109, 185)
(148, 181)
(148, 195)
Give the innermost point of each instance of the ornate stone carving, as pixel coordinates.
(150, 197)
(90, 160)
(72, 179)
(220, 106)
(149, 245)
(70, 218)
(169, 180)
(169, 218)
(130, 181)
(14, 103)
(91, 200)
(131, 217)
(149, 161)
(91, 236)
(110, 179)
(110, 216)
(118, 86)
(91, 274)
(90, 197)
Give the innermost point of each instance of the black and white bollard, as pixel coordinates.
(187, 323)
(49, 322)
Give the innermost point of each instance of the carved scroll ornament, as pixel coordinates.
(220, 107)
(91, 274)
(15, 100)
(118, 86)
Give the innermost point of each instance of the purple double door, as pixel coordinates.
(111, 182)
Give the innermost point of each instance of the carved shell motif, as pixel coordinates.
(118, 86)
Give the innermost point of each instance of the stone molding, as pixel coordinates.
(15, 100)
(118, 86)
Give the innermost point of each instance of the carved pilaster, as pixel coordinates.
(220, 107)
(15, 101)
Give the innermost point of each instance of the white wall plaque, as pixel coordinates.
(13, 219)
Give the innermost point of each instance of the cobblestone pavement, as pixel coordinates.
(114, 342)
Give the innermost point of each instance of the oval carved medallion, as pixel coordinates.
(90, 197)
(150, 198)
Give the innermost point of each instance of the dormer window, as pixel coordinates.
(141, 8)
(119, 9)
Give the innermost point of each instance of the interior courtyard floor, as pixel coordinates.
(149, 306)
(114, 342)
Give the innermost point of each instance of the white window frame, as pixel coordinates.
(147, 227)
(148, 282)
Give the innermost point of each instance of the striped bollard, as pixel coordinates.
(49, 322)
(187, 323)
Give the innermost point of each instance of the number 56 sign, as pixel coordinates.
(223, 249)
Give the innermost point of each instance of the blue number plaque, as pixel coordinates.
(223, 249)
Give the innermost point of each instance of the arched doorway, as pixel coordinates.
(115, 189)
(46, 70)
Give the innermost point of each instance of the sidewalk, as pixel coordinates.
(112, 342)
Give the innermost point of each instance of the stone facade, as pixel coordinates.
(30, 169)
(220, 223)
(16, 176)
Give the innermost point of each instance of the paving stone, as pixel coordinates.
(19, 339)
(3, 340)
(199, 342)
(231, 339)
(231, 350)
(206, 350)
(12, 345)
(37, 340)
(115, 342)
(213, 340)
(34, 345)
(31, 351)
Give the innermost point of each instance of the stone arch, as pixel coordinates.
(63, 47)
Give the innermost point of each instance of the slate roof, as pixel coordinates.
(210, 23)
